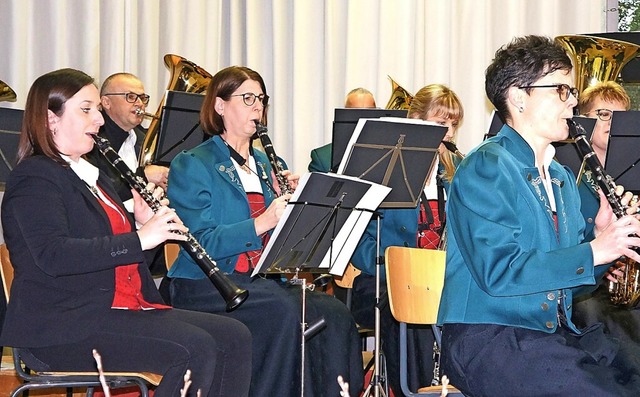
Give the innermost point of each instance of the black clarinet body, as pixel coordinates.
(276, 164)
(626, 292)
(232, 294)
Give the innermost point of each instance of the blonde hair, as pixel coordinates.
(440, 101)
(609, 91)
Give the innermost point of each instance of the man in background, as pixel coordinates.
(321, 157)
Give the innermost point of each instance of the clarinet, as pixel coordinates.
(276, 164)
(232, 294)
(604, 180)
(626, 291)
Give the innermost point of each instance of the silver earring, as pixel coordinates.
(521, 108)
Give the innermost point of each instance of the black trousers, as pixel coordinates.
(494, 360)
(273, 314)
(216, 349)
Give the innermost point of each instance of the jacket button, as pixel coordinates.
(403, 228)
(589, 220)
(221, 168)
(545, 306)
(551, 296)
(549, 324)
(580, 270)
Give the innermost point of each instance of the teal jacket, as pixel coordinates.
(321, 159)
(206, 192)
(506, 264)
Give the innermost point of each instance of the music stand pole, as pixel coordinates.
(376, 378)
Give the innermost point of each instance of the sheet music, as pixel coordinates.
(336, 258)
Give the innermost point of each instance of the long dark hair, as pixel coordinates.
(49, 92)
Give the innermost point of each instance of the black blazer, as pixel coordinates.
(64, 255)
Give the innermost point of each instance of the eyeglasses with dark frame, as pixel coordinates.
(563, 90)
(603, 114)
(131, 97)
(249, 98)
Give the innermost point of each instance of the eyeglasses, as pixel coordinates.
(249, 98)
(603, 114)
(563, 90)
(132, 97)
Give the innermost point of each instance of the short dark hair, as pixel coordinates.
(522, 62)
(49, 92)
(223, 84)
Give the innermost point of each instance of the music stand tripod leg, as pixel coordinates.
(377, 380)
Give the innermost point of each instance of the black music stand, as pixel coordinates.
(10, 125)
(318, 232)
(623, 156)
(399, 153)
(344, 123)
(567, 152)
(179, 126)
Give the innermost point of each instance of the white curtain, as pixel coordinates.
(310, 52)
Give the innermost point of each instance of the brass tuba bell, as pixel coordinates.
(597, 59)
(400, 98)
(6, 93)
(186, 76)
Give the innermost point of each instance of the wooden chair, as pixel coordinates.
(415, 278)
(50, 380)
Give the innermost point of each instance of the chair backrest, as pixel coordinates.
(346, 281)
(415, 278)
(6, 269)
(171, 251)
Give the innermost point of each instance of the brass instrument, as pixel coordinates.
(276, 164)
(6, 93)
(231, 293)
(400, 98)
(186, 76)
(596, 58)
(625, 292)
(142, 113)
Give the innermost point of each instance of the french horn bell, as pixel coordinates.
(400, 98)
(186, 76)
(6, 93)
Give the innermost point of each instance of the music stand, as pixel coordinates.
(319, 231)
(180, 125)
(494, 126)
(567, 152)
(10, 125)
(623, 156)
(344, 123)
(399, 153)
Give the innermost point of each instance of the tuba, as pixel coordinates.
(400, 98)
(597, 59)
(186, 76)
(6, 93)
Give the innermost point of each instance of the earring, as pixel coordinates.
(55, 131)
(521, 109)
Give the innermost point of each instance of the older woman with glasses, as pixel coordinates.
(516, 250)
(226, 192)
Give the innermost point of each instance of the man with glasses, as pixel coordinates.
(123, 104)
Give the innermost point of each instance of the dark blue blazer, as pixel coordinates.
(64, 255)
